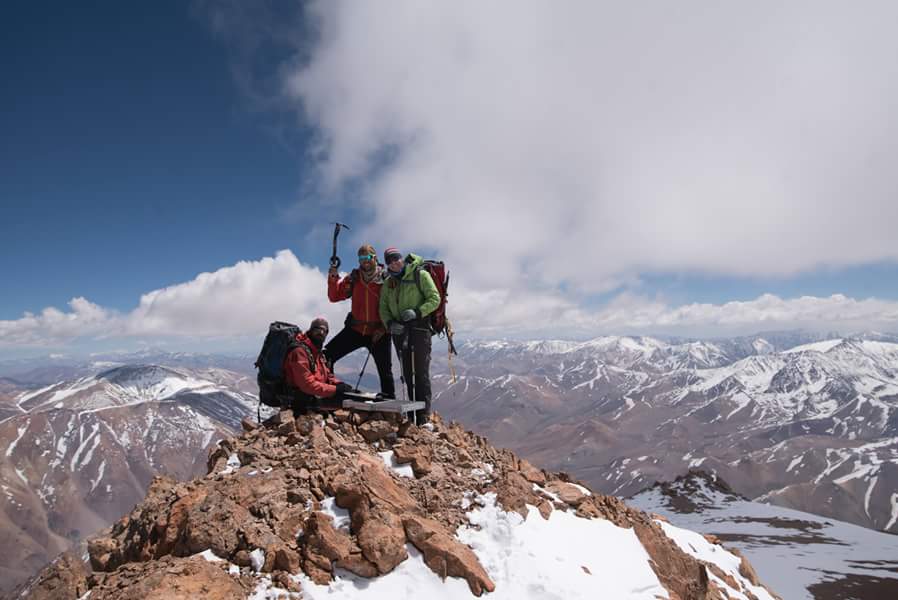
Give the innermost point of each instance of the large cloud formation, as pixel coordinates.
(585, 143)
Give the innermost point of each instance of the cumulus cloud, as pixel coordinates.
(582, 144)
(240, 301)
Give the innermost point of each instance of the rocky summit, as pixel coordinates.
(365, 506)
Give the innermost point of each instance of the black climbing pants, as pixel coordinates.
(349, 340)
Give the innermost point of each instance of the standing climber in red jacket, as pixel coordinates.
(363, 327)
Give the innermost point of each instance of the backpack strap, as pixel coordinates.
(310, 354)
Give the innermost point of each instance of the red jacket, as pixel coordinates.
(297, 369)
(365, 299)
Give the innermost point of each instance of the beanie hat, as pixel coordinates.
(391, 252)
(318, 322)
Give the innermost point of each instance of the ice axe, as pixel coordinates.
(335, 260)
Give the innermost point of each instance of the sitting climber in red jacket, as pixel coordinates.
(307, 372)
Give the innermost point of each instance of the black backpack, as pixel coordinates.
(280, 341)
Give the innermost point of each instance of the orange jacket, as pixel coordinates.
(298, 371)
(365, 299)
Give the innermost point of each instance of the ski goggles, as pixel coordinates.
(365, 257)
(392, 258)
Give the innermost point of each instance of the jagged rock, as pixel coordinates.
(373, 431)
(212, 525)
(382, 540)
(358, 564)
(513, 492)
(419, 457)
(104, 553)
(287, 560)
(305, 424)
(568, 493)
(170, 578)
(273, 504)
(284, 581)
(531, 473)
(445, 555)
(321, 538)
(65, 578)
(248, 424)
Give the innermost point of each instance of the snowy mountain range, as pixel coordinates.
(812, 427)
(80, 453)
(790, 419)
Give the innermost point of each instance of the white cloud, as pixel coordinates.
(585, 143)
(241, 300)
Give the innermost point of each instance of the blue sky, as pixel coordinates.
(144, 144)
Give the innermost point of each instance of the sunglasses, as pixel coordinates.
(365, 257)
(393, 258)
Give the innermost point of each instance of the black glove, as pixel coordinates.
(343, 387)
(396, 328)
(410, 314)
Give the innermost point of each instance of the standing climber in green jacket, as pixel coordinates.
(408, 296)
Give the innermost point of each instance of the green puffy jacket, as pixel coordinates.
(398, 295)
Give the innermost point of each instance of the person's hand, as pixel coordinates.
(409, 314)
(332, 272)
(343, 387)
(375, 337)
(396, 328)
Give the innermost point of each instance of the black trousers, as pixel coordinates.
(349, 340)
(414, 347)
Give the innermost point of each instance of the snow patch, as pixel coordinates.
(390, 461)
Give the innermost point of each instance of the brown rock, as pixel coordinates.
(588, 509)
(531, 473)
(445, 555)
(382, 539)
(323, 539)
(358, 564)
(177, 520)
(419, 456)
(248, 424)
(373, 431)
(287, 428)
(213, 524)
(169, 578)
(514, 493)
(378, 486)
(286, 560)
(568, 493)
(317, 568)
(104, 553)
(305, 424)
(66, 577)
(745, 568)
(284, 580)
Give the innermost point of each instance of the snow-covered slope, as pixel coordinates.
(802, 556)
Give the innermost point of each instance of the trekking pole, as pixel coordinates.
(401, 369)
(357, 383)
(411, 362)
